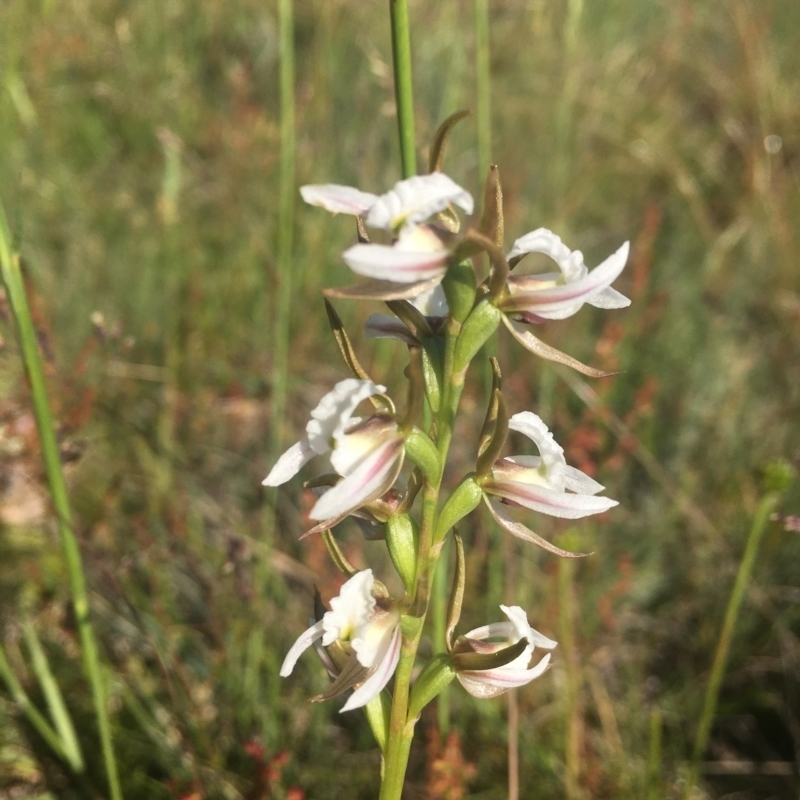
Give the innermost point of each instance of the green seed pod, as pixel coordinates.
(402, 539)
(478, 327)
(432, 365)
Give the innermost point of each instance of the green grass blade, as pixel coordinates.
(403, 87)
(15, 289)
(55, 699)
(32, 714)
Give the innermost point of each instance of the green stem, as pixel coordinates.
(401, 729)
(283, 297)
(483, 89)
(12, 278)
(403, 91)
(765, 508)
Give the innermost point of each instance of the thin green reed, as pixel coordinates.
(15, 289)
(286, 201)
(483, 85)
(403, 87)
(720, 663)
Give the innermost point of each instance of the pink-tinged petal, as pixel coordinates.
(385, 326)
(531, 425)
(580, 482)
(519, 620)
(416, 199)
(335, 409)
(290, 463)
(526, 534)
(373, 685)
(493, 682)
(609, 298)
(325, 525)
(338, 199)
(539, 348)
(557, 504)
(558, 302)
(374, 476)
(373, 289)
(304, 641)
(389, 263)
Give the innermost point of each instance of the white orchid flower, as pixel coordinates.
(492, 682)
(544, 483)
(417, 259)
(368, 628)
(558, 295)
(367, 453)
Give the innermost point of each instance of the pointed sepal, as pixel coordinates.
(436, 156)
(456, 593)
(495, 426)
(492, 224)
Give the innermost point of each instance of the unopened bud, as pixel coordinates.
(478, 327)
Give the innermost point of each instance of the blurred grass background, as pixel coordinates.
(139, 147)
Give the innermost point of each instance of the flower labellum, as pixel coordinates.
(493, 682)
(369, 628)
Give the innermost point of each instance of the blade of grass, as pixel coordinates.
(483, 86)
(55, 700)
(32, 714)
(765, 508)
(15, 289)
(283, 297)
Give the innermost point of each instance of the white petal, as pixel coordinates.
(338, 199)
(570, 263)
(373, 685)
(433, 303)
(532, 426)
(609, 298)
(519, 619)
(290, 463)
(494, 630)
(304, 641)
(350, 609)
(417, 199)
(386, 326)
(580, 482)
(368, 481)
(335, 409)
(391, 263)
(547, 501)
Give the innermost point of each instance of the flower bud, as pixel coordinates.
(432, 366)
(478, 327)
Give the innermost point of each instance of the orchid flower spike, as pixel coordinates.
(366, 627)
(492, 682)
(544, 483)
(417, 259)
(367, 453)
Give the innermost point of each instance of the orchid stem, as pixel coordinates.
(403, 90)
(28, 341)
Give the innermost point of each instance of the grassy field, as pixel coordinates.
(139, 146)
